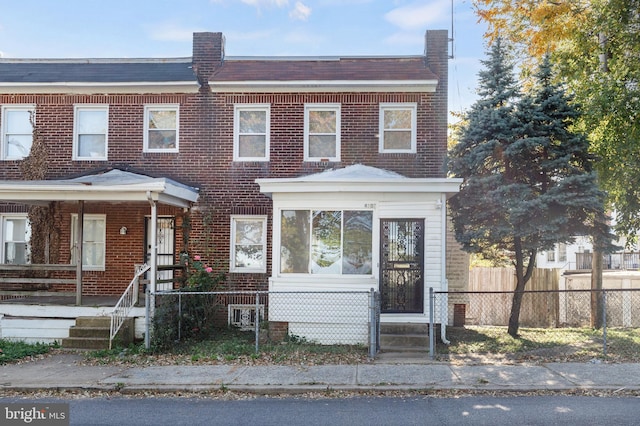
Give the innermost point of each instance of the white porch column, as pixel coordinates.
(78, 242)
(154, 253)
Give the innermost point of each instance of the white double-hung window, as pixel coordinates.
(93, 242)
(17, 131)
(398, 126)
(322, 132)
(251, 128)
(91, 125)
(15, 239)
(161, 128)
(248, 244)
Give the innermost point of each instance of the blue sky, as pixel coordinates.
(164, 28)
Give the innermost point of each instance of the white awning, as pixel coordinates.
(358, 178)
(111, 186)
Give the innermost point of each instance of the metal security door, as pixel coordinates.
(402, 265)
(166, 249)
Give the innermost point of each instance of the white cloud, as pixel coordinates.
(260, 3)
(405, 38)
(419, 14)
(300, 12)
(171, 32)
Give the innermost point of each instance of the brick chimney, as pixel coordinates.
(208, 54)
(437, 60)
(436, 51)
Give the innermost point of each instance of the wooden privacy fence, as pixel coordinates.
(538, 309)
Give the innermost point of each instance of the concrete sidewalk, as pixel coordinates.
(64, 371)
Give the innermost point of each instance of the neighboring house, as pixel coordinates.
(288, 174)
(578, 256)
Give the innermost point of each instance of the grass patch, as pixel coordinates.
(553, 344)
(14, 351)
(230, 346)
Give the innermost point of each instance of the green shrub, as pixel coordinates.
(189, 317)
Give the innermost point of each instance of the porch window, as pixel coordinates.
(17, 131)
(90, 132)
(398, 125)
(251, 132)
(161, 128)
(249, 244)
(322, 132)
(15, 235)
(326, 242)
(93, 243)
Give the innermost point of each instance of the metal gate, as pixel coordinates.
(402, 265)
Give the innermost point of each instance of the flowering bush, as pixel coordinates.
(200, 276)
(189, 317)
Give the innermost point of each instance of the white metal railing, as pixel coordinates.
(127, 301)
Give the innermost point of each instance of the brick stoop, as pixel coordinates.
(93, 333)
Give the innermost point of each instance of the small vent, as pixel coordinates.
(244, 316)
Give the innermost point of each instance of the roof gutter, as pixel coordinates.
(270, 86)
(100, 87)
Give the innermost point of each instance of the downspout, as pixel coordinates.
(443, 266)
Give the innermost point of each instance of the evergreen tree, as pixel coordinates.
(528, 179)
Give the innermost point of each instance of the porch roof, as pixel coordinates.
(358, 178)
(111, 186)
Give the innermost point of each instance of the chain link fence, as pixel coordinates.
(345, 318)
(548, 308)
(618, 308)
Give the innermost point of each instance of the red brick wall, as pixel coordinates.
(205, 160)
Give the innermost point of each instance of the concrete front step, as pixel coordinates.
(404, 341)
(94, 332)
(405, 337)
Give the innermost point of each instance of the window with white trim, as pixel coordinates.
(322, 132)
(17, 131)
(398, 124)
(248, 244)
(93, 242)
(562, 252)
(251, 129)
(326, 242)
(91, 124)
(16, 233)
(551, 255)
(161, 128)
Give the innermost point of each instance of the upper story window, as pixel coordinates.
(93, 241)
(15, 239)
(562, 252)
(17, 131)
(251, 129)
(161, 128)
(91, 123)
(551, 255)
(326, 242)
(398, 126)
(322, 132)
(248, 244)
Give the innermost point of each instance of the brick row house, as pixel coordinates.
(285, 174)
